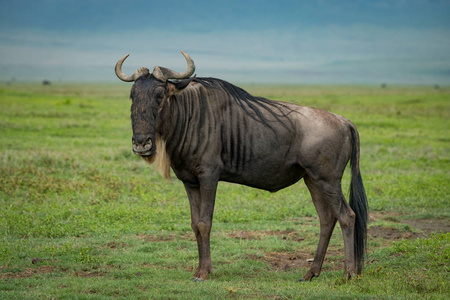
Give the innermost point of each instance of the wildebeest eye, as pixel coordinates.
(159, 93)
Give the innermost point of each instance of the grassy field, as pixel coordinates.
(81, 217)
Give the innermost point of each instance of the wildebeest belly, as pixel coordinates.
(265, 176)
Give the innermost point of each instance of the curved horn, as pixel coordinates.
(122, 76)
(164, 74)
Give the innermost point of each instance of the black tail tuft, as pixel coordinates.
(358, 203)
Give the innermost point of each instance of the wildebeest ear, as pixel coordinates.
(181, 84)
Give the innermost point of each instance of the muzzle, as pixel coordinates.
(142, 144)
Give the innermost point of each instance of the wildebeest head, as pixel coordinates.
(147, 93)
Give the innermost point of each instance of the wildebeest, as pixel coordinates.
(208, 130)
(46, 82)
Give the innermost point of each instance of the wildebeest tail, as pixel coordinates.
(358, 202)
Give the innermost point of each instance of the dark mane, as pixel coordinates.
(252, 105)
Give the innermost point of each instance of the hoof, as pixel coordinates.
(197, 279)
(309, 276)
(301, 280)
(201, 275)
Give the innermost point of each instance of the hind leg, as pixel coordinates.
(347, 223)
(327, 223)
(331, 206)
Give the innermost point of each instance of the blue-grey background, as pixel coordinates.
(245, 41)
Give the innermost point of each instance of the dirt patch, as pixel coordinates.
(388, 233)
(89, 274)
(419, 228)
(157, 238)
(281, 261)
(259, 234)
(428, 226)
(28, 272)
(284, 261)
(167, 237)
(115, 245)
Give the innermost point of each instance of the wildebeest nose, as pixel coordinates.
(142, 144)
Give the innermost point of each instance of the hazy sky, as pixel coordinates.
(304, 42)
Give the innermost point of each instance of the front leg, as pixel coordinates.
(201, 200)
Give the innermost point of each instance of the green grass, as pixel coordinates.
(82, 217)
